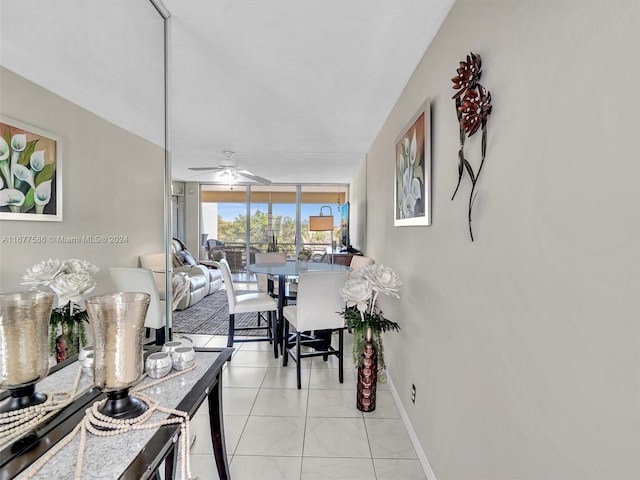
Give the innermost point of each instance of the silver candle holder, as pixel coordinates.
(24, 346)
(118, 326)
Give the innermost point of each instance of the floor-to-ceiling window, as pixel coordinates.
(272, 225)
(317, 201)
(269, 218)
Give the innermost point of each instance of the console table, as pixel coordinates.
(135, 455)
(340, 258)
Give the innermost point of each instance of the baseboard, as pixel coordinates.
(422, 457)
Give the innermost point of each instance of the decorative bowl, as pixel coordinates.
(170, 347)
(158, 364)
(183, 357)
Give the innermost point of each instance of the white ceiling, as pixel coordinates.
(297, 88)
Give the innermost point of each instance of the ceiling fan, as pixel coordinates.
(228, 171)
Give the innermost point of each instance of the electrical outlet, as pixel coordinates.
(413, 393)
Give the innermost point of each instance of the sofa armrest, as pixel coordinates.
(192, 270)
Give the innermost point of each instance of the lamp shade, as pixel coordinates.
(320, 223)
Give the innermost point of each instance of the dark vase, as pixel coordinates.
(368, 376)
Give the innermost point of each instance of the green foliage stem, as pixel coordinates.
(358, 324)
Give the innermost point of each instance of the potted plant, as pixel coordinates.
(70, 280)
(305, 254)
(364, 318)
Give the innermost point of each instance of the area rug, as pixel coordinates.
(210, 316)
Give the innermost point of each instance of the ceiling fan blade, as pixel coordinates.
(251, 176)
(204, 168)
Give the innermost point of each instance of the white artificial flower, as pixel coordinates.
(43, 273)
(383, 279)
(80, 266)
(71, 287)
(357, 291)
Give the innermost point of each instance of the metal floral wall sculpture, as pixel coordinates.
(473, 106)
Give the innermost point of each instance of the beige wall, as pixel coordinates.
(358, 209)
(524, 346)
(112, 186)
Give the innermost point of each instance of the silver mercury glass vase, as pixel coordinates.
(24, 346)
(118, 326)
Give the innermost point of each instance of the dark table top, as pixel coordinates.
(135, 457)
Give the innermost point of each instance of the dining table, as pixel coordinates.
(289, 270)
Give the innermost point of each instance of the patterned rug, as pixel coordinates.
(210, 316)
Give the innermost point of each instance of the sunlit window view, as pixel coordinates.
(241, 221)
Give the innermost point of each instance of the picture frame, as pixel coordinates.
(30, 173)
(412, 189)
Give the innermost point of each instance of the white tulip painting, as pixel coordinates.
(30, 173)
(413, 171)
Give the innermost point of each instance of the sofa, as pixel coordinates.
(203, 280)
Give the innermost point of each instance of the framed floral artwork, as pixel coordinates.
(30, 173)
(413, 171)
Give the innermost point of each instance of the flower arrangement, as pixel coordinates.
(473, 107)
(361, 311)
(70, 280)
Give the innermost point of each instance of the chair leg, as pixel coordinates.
(298, 372)
(160, 337)
(274, 333)
(232, 321)
(285, 341)
(341, 355)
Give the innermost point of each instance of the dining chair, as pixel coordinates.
(359, 261)
(135, 279)
(316, 310)
(249, 303)
(267, 284)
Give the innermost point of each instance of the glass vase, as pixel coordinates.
(118, 327)
(24, 346)
(367, 381)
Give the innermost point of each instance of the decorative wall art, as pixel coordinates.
(413, 171)
(473, 106)
(30, 173)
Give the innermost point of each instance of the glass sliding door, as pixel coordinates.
(317, 200)
(239, 221)
(273, 219)
(224, 222)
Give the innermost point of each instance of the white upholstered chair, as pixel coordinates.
(133, 279)
(318, 304)
(359, 261)
(249, 303)
(265, 284)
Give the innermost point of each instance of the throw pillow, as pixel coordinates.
(179, 256)
(188, 258)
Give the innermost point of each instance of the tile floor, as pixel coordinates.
(276, 432)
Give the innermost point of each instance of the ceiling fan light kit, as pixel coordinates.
(229, 173)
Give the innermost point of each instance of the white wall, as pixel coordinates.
(112, 186)
(524, 345)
